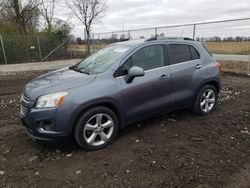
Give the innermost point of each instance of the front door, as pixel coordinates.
(151, 90)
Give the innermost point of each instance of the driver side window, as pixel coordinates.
(148, 57)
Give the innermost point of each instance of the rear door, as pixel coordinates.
(184, 61)
(151, 90)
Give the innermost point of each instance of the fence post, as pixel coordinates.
(39, 48)
(194, 30)
(4, 55)
(99, 42)
(93, 43)
(248, 66)
(156, 32)
(129, 34)
(112, 37)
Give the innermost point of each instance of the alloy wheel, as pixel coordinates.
(208, 100)
(98, 129)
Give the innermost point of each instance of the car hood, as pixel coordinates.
(56, 81)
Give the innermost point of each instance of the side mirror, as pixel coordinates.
(134, 72)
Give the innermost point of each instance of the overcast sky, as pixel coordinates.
(150, 13)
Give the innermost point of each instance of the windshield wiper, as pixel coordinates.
(78, 70)
(82, 71)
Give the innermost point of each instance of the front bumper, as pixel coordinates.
(45, 125)
(45, 137)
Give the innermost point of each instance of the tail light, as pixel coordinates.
(218, 66)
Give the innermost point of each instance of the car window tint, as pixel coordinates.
(194, 53)
(149, 57)
(179, 53)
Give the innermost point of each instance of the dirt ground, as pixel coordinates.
(175, 150)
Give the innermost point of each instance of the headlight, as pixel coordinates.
(53, 100)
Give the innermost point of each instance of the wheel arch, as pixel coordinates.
(213, 82)
(105, 103)
(196, 105)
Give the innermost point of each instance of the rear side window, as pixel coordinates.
(179, 53)
(194, 53)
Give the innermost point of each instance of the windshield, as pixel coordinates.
(100, 61)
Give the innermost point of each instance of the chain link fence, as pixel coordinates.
(15, 48)
(228, 40)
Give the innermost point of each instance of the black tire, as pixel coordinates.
(81, 123)
(197, 109)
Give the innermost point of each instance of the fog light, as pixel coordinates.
(46, 125)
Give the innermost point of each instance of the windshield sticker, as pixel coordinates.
(121, 50)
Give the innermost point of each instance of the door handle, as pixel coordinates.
(164, 76)
(198, 66)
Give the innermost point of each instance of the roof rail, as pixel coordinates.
(151, 39)
(168, 38)
(187, 38)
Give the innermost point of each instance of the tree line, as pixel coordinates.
(224, 39)
(116, 38)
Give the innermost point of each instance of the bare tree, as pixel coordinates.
(87, 11)
(47, 9)
(31, 15)
(24, 13)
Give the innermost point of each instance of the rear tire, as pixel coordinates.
(206, 100)
(96, 128)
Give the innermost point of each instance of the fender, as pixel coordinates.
(209, 80)
(96, 102)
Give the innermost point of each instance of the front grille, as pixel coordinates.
(23, 111)
(24, 107)
(25, 98)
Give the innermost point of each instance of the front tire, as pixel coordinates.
(206, 100)
(96, 128)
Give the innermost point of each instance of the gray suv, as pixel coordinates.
(120, 84)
